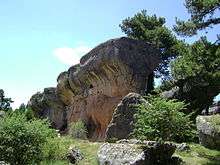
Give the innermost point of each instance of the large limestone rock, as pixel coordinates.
(92, 89)
(139, 153)
(209, 131)
(122, 123)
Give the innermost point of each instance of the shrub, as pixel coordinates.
(163, 119)
(22, 141)
(78, 130)
(56, 148)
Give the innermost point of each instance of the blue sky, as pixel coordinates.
(41, 38)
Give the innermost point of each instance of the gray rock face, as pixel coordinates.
(91, 90)
(121, 125)
(74, 155)
(120, 154)
(48, 105)
(146, 153)
(183, 147)
(209, 133)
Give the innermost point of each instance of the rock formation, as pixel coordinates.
(209, 131)
(121, 125)
(91, 90)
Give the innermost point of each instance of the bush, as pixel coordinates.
(78, 130)
(57, 148)
(163, 119)
(22, 141)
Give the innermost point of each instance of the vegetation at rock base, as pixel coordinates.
(22, 141)
(78, 130)
(57, 154)
(163, 119)
(199, 155)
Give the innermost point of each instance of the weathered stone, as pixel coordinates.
(48, 105)
(120, 154)
(74, 155)
(122, 123)
(92, 89)
(129, 153)
(209, 131)
(214, 108)
(183, 147)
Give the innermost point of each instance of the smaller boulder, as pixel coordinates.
(209, 131)
(183, 147)
(74, 155)
(120, 154)
(135, 152)
(122, 123)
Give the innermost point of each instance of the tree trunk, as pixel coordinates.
(150, 83)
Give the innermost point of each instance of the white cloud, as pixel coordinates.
(71, 56)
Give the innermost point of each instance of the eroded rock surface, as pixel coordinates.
(122, 123)
(209, 131)
(125, 152)
(92, 89)
(48, 105)
(74, 155)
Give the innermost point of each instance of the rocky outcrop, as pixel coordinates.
(92, 89)
(121, 125)
(120, 154)
(147, 153)
(74, 155)
(209, 131)
(48, 105)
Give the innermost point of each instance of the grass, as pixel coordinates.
(200, 155)
(58, 149)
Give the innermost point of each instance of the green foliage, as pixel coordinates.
(167, 85)
(29, 114)
(163, 119)
(202, 16)
(201, 61)
(78, 130)
(152, 29)
(4, 101)
(56, 148)
(27, 111)
(22, 141)
(55, 151)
